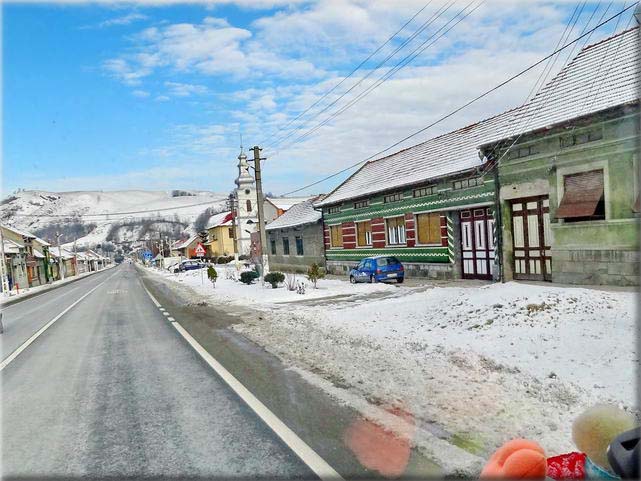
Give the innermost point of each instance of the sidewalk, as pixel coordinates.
(12, 298)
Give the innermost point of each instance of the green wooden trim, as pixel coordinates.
(408, 254)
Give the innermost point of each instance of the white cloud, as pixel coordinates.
(140, 93)
(178, 89)
(123, 20)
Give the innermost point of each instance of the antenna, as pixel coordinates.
(241, 141)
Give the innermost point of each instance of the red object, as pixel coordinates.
(567, 466)
(200, 250)
(516, 459)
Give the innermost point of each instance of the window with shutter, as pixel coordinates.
(336, 236)
(582, 197)
(428, 228)
(364, 233)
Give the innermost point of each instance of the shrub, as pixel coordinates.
(212, 275)
(243, 257)
(248, 277)
(224, 259)
(274, 278)
(314, 273)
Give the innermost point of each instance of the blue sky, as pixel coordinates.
(142, 95)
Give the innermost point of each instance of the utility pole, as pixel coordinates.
(60, 260)
(261, 216)
(3, 267)
(231, 201)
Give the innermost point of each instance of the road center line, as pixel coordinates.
(317, 464)
(35, 336)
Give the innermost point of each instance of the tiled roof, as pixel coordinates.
(443, 155)
(601, 76)
(185, 243)
(299, 214)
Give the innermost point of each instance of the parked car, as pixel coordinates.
(189, 265)
(378, 269)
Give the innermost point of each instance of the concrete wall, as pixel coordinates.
(430, 270)
(313, 250)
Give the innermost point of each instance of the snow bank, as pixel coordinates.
(473, 366)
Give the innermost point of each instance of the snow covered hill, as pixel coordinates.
(91, 217)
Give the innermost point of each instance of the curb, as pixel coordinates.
(9, 302)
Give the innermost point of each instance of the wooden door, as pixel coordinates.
(531, 238)
(477, 243)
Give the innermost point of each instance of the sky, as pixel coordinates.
(156, 95)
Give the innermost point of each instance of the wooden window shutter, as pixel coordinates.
(582, 195)
(429, 228)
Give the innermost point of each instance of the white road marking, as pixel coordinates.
(153, 299)
(171, 319)
(162, 309)
(166, 313)
(317, 464)
(35, 336)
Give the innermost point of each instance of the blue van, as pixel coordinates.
(378, 269)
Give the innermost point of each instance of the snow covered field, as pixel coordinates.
(473, 366)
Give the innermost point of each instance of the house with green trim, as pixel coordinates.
(430, 205)
(568, 173)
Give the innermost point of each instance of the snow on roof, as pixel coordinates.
(601, 76)
(27, 234)
(11, 247)
(222, 219)
(443, 155)
(185, 243)
(299, 214)
(286, 203)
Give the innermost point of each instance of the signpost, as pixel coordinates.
(200, 253)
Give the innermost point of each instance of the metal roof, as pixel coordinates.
(601, 76)
(299, 214)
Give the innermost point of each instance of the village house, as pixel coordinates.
(29, 267)
(423, 205)
(274, 207)
(185, 248)
(220, 235)
(295, 239)
(569, 182)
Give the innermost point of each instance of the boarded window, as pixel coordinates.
(428, 228)
(285, 246)
(582, 197)
(336, 236)
(364, 233)
(396, 230)
(299, 246)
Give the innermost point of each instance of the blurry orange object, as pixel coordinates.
(380, 450)
(517, 459)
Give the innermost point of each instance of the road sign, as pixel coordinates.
(147, 255)
(200, 250)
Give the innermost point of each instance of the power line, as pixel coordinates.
(465, 105)
(378, 49)
(406, 60)
(422, 28)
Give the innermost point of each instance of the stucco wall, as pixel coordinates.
(313, 250)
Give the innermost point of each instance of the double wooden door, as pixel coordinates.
(531, 238)
(477, 243)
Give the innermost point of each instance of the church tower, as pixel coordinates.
(247, 210)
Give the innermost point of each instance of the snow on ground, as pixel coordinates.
(474, 366)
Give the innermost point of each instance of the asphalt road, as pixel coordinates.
(111, 390)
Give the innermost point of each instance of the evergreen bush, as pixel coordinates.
(248, 277)
(314, 273)
(274, 278)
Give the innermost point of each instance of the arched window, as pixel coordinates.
(249, 205)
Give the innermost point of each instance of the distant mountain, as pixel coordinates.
(93, 217)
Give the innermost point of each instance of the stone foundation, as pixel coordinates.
(596, 267)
